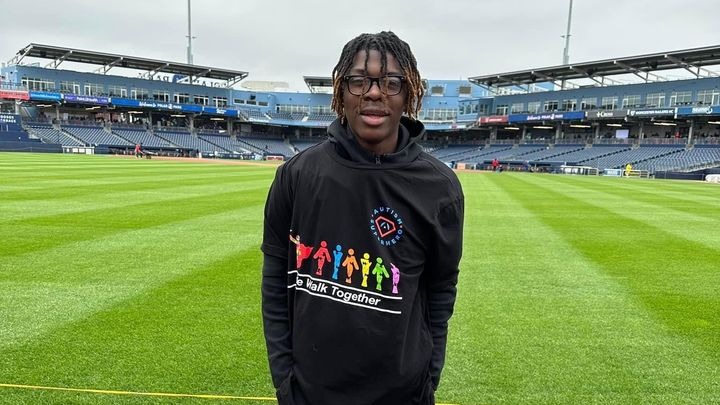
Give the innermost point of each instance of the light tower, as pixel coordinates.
(566, 51)
(189, 37)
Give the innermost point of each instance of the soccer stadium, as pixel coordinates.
(591, 263)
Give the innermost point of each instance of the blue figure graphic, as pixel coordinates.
(338, 259)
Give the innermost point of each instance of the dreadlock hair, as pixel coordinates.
(383, 42)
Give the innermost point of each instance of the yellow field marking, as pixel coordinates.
(147, 394)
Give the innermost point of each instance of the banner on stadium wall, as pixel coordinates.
(651, 112)
(74, 98)
(557, 116)
(221, 111)
(493, 119)
(698, 110)
(14, 94)
(606, 114)
(45, 96)
(9, 119)
(128, 102)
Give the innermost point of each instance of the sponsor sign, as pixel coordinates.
(651, 112)
(556, 116)
(128, 102)
(698, 110)
(14, 94)
(606, 114)
(220, 111)
(493, 119)
(74, 98)
(45, 96)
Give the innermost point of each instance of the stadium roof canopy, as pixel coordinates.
(642, 66)
(319, 84)
(107, 61)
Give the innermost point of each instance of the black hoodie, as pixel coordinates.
(361, 262)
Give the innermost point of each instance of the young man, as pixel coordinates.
(372, 193)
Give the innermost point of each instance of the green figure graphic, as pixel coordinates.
(365, 262)
(379, 271)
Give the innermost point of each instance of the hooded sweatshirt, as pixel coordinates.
(361, 262)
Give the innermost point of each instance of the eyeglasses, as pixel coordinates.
(390, 85)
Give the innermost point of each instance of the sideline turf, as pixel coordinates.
(139, 275)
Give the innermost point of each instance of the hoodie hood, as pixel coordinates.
(407, 150)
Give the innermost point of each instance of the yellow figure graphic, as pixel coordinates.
(365, 261)
(350, 265)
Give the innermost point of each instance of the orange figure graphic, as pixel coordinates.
(350, 265)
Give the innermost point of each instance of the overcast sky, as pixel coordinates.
(282, 40)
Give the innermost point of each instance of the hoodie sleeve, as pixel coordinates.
(275, 310)
(442, 280)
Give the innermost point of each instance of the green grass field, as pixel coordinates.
(144, 276)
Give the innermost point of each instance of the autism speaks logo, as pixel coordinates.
(386, 225)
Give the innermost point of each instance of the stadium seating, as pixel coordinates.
(635, 156)
(225, 142)
(696, 158)
(322, 117)
(551, 151)
(50, 135)
(451, 151)
(96, 136)
(187, 141)
(585, 155)
(302, 144)
(267, 146)
(147, 139)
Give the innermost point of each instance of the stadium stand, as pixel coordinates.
(144, 137)
(267, 146)
(694, 158)
(635, 156)
(225, 142)
(586, 154)
(51, 135)
(187, 141)
(95, 136)
(302, 144)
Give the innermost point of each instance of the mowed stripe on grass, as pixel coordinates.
(144, 276)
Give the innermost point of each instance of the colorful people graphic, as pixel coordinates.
(380, 272)
(336, 266)
(322, 255)
(365, 261)
(302, 252)
(350, 265)
(395, 277)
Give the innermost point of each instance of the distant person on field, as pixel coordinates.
(370, 190)
(138, 150)
(628, 169)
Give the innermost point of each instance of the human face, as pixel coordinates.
(373, 116)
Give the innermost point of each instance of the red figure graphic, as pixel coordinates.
(302, 252)
(350, 264)
(322, 255)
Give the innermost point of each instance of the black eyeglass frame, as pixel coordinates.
(375, 80)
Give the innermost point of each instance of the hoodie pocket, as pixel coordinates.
(284, 391)
(428, 396)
